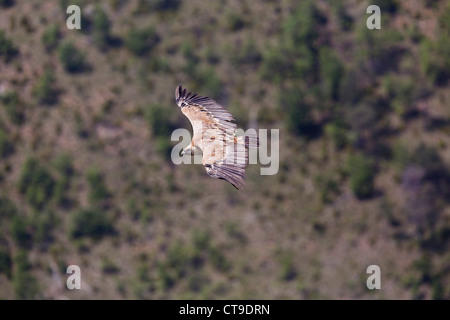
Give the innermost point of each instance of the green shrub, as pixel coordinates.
(438, 290)
(174, 266)
(209, 81)
(298, 117)
(7, 208)
(45, 90)
(109, 267)
(328, 187)
(429, 159)
(166, 5)
(361, 176)
(43, 223)
(166, 279)
(101, 29)
(6, 146)
(92, 223)
(197, 281)
(24, 284)
(300, 34)
(50, 38)
(211, 55)
(247, 54)
(72, 59)
(64, 165)
(362, 119)
(235, 21)
(288, 270)
(399, 91)
(275, 66)
(36, 183)
(234, 232)
(203, 248)
(163, 147)
(6, 3)
(20, 231)
(191, 58)
(161, 126)
(159, 121)
(5, 262)
(331, 71)
(351, 89)
(97, 187)
(60, 192)
(344, 19)
(133, 209)
(156, 64)
(13, 107)
(378, 52)
(301, 27)
(201, 240)
(400, 155)
(7, 48)
(338, 132)
(145, 7)
(178, 259)
(390, 6)
(218, 259)
(141, 42)
(80, 126)
(435, 60)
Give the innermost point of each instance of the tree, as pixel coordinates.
(7, 48)
(13, 106)
(300, 34)
(5, 262)
(93, 223)
(36, 183)
(141, 41)
(6, 3)
(45, 89)
(97, 187)
(72, 59)
(298, 113)
(50, 38)
(101, 29)
(24, 284)
(6, 146)
(331, 72)
(361, 176)
(435, 55)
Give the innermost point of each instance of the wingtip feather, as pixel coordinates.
(178, 92)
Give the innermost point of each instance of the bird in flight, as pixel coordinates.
(224, 155)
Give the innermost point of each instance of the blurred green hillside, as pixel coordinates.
(86, 177)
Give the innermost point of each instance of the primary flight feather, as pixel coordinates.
(225, 155)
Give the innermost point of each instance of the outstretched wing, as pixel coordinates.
(224, 155)
(205, 109)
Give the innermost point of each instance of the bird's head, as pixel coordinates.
(191, 150)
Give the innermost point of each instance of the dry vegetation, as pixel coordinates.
(86, 176)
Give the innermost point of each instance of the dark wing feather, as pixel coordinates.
(209, 105)
(227, 172)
